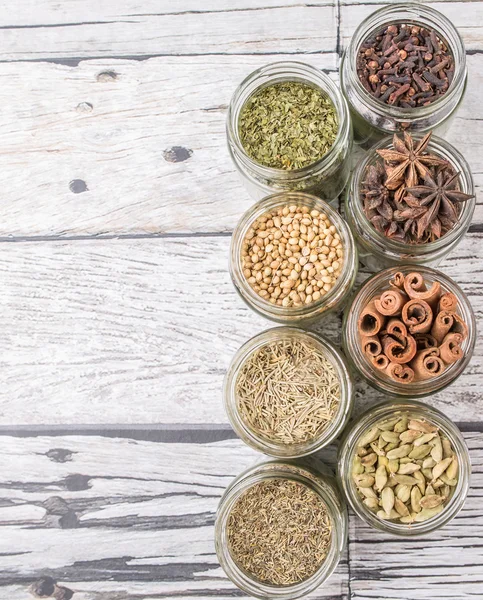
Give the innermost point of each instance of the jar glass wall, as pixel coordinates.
(416, 410)
(372, 120)
(275, 448)
(326, 177)
(376, 251)
(326, 489)
(332, 300)
(378, 378)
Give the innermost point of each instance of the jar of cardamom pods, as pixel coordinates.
(386, 227)
(404, 468)
(403, 70)
(288, 129)
(280, 530)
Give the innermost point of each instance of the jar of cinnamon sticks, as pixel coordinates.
(409, 331)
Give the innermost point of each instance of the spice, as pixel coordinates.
(279, 532)
(410, 195)
(412, 331)
(288, 125)
(405, 65)
(292, 256)
(288, 392)
(405, 469)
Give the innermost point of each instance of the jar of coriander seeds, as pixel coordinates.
(404, 468)
(377, 250)
(375, 67)
(288, 129)
(280, 530)
(293, 258)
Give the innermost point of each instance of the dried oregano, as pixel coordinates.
(288, 125)
(279, 532)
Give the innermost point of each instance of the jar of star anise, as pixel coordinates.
(404, 70)
(419, 219)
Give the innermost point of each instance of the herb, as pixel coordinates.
(288, 392)
(288, 125)
(292, 256)
(279, 532)
(405, 65)
(405, 469)
(411, 195)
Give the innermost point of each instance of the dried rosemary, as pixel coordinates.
(279, 532)
(288, 392)
(288, 125)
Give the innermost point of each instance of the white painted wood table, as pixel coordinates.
(117, 315)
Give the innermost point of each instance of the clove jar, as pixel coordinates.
(327, 176)
(276, 447)
(326, 300)
(379, 379)
(377, 251)
(389, 411)
(323, 486)
(373, 119)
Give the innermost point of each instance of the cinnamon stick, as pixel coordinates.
(390, 302)
(397, 280)
(370, 320)
(396, 351)
(425, 340)
(397, 329)
(448, 302)
(417, 315)
(427, 364)
(400, 373)
(415, 287)
(450, 350)
(441, 325)
(379, 362)
(459, 326)
(371, 345)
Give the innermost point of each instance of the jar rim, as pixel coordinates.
(277, 449)
(342, 284)
(418, 14)
(378, 413)
(378, 379)
(441, 148)
(277, 72)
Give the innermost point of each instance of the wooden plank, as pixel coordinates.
(446, 564)
(96, 150)
(142, 331)
(140, 522)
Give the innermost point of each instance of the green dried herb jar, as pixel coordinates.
(327, 176)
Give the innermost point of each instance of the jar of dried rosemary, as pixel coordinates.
(420, 216)
(288, 392)
(280, 530)
(404, 69)
(404, 468)
(288, 128)
(293, 258)
(409, 331)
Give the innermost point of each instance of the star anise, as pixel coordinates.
(410, 161)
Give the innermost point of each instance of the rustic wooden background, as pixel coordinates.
(118, 318)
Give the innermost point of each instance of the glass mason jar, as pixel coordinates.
(332, 300)
(261, 443)
(376, 251)
(372, 119)
(326, 177)
(323, 485)
(417, 410)
(377, 378)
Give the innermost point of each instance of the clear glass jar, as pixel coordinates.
(418, 410)
(376, 251)
(276, 448)
(372, 119)
(326, 177)
(332, 300)
(378, 379)
(323, 485)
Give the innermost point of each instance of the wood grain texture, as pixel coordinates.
(142, 331)
(141, 523)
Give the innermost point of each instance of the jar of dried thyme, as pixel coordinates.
(288, 128)
(288, 392)
(280, 530)
(403, 70)
(404, 468)
(293, 258)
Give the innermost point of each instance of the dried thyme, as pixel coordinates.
(279, 532)
(288, 125)
(288, 392)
